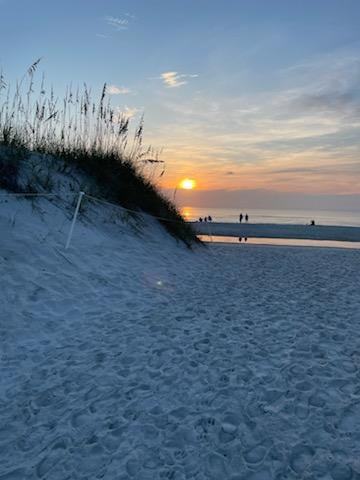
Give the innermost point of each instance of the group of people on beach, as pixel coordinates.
(205, 219)
(241, 218)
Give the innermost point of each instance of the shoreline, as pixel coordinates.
(278, 242)
(278, 231)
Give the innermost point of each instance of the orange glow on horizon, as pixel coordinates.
(185, 213)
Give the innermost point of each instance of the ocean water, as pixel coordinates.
(300, 217)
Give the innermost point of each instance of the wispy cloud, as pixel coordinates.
(125, 112)
(129, 112)
(116, 90)
(175, 79)
(118, 23)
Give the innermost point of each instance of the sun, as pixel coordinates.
(187, 184)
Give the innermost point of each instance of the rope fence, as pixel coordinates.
(91, 197)
(81, 195)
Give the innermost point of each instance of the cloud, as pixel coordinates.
(326, 85)
(129, 112)
(101, 35)
(175, 79)
(125, 112)
(300, 131)
(116, 90)
(324, 169)
(117, 22)
(331, 101)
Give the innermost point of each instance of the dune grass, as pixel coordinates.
(88, 134)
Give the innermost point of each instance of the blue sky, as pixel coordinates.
(240, 94)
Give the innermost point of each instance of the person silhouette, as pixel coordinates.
(246, 218)
(240, 217)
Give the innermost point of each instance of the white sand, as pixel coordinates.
(259, 230)
(130, 357)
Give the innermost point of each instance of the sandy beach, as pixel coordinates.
(129, 356)
(137, 341)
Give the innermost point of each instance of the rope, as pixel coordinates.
(32, 194)
(91, 197)
(106, 202)
(137, 212)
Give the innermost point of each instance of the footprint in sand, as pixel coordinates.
(17, 474)
(341, 472)
(132, 467)
(255, 455)
(216, 466)
(300, 458)
(304, 386)
(48, 463)
(317, 400)
(203, 345)
(79, 419)
(350, 421)
(302, 411)
(228, 432)
(260, 475)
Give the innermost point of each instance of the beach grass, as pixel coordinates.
(87, 133)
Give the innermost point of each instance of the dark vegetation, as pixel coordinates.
(92, 137)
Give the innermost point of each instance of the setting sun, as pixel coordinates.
(187, 184)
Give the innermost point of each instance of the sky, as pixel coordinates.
(260, 95)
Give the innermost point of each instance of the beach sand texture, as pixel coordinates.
(130, 357)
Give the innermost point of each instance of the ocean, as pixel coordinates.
(301, 217)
